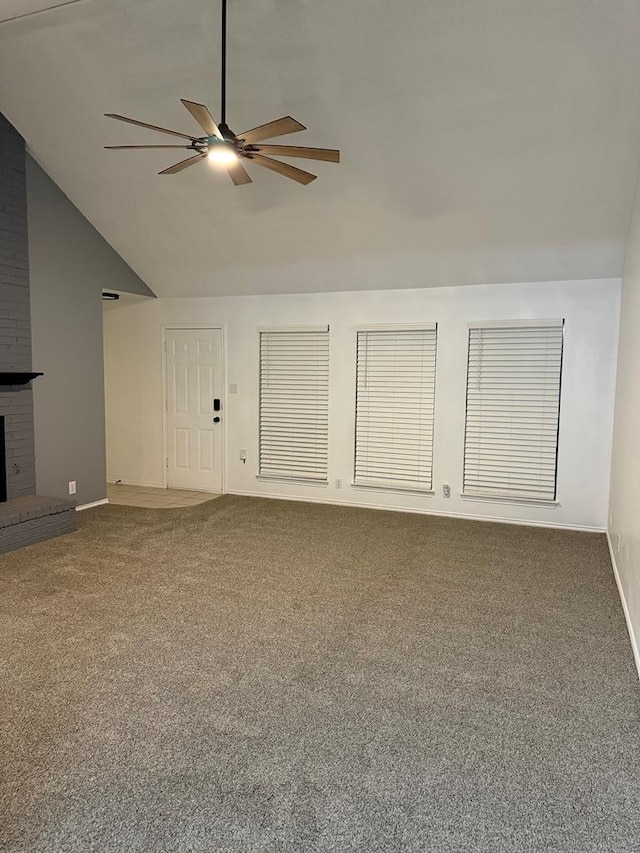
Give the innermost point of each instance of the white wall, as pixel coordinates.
(133, 358)
(624, 521)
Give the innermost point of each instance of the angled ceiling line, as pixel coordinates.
(41, 11)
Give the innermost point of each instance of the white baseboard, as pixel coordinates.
(91, 505)
(625, 608)
(465, 516)
(136, 483)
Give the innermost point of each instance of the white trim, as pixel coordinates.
(508, 324)
(398, 327)
(625, 608)
(136, 483)
(303, 481)
(91, 505)
(419, 511)
(503, 499)
(225, 403)
(164, 413)
(287, 329)
(371, 487)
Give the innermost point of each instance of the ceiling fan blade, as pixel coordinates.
(151, 126)
(183, 147)
(238, 173)
(329, 154)
(280, 127)
(183, 164)
(204, 118)
(285, 169)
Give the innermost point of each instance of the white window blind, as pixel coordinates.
(395, 394)
(294, 403)
(513, 407)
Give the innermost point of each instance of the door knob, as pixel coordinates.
(216, 420)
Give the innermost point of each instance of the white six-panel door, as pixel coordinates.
(194, 381)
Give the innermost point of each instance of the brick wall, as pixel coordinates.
(15, 324)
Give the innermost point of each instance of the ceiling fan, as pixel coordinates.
(229, 149)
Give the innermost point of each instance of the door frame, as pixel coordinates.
(189, 327)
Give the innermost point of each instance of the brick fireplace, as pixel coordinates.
(24, 516)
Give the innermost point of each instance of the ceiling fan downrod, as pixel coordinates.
(223, 74)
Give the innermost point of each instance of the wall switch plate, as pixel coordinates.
(233, 388)
(446, 491)
(338, 484)
(243, 455)
(72, 487)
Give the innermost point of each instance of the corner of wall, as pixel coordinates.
(623, 529)
(635, 645)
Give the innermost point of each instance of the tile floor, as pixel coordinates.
(155, 498)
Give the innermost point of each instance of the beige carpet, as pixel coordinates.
(252, 675)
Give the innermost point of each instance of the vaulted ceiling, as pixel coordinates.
(482, 140)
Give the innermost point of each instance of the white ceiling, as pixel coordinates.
(482, 140)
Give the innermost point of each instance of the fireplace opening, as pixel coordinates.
(3, 464)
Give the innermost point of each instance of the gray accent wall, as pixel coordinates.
(16, 404)
(70, 266)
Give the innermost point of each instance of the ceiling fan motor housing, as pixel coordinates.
(226, 132)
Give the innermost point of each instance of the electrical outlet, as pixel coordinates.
(338, 484)
(446, 491)
(72, 487)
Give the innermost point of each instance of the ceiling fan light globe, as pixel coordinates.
(222, 155)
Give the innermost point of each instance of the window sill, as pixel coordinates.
(270, 478)
(405, 490)
(503, 499)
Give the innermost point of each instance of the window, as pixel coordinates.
(395, 393)
(513, 407)
(294, 403)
